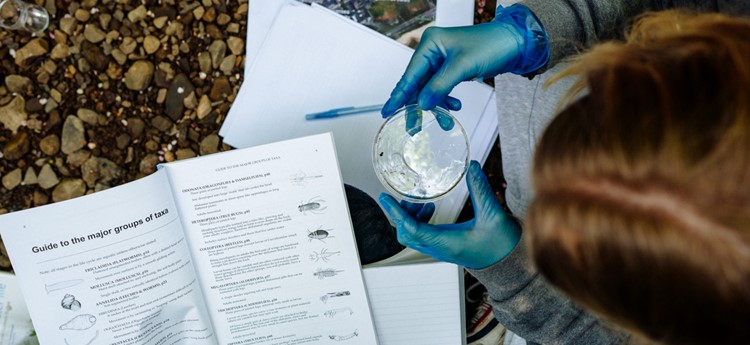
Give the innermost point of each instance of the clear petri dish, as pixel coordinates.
(425, 161)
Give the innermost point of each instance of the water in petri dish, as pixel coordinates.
(422, 166)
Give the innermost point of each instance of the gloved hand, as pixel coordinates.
(513, 42)
(478, 243)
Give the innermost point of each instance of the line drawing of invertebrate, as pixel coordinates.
(87, 343)
(62, 285)
(301, 179)
(331, 313)
(326, 273)
(70, 302)
(79, 323)
(323, 254)
(320, 234)
(315, 206)
(344, 337)
(325, 297)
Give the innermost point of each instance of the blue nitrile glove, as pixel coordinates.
(514, 41)
(477, 243)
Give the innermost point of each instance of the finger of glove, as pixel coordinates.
(481, 193)
(450, 74)
(413, 120)
(444, 119)
(451, 103)
(421, 212)
(425, 60)
(409, 231)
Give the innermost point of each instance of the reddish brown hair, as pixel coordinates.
(642, 207)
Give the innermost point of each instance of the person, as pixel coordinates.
(523, 301)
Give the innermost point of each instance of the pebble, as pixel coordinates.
(151, 44)
(119, 56)
(185, 153)
(47, 177)
(210, 144)
(94, 55)
(138, 14)
(30, 178)
(82, 15)
(190, 101)
(17, 147)
(148, 164)
(18, 84)
(175, 99)
(227, 64)
(138, 76)
(12, 179)
(161, 123)
(35, 47)
(161, 96)
(160, 22)
(13, 114)
(93, 33)
(68, 189)
(128, 45)
(218, 50)
(50, 145)
(223, 19)
(60, 51)
(204, 62)
(136, 126)
(77, 158)
(88, 116)
(123, 140)
(40, 198)
(204, 107)
(236, 45)
(101, 170)
(221, 89)
(73, 136)
(67, 24)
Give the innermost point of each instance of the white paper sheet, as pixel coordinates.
(312, 60)
(416, 304)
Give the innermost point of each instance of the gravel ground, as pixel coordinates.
(115, 87)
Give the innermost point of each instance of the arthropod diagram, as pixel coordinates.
(301, 178)
(326, 273)
(323, 254)
(316, 205)
(320, 234)
(325, 297)
(331, 313)
(344, 337)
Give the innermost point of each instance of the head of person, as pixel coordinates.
(642, 183)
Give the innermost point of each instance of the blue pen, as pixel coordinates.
(329, 114)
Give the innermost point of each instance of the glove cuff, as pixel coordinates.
(534, 52)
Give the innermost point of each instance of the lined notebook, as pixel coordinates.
(416, 304)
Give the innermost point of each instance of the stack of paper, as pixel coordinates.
(303, 59)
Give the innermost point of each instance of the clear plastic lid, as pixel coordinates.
(424, 160)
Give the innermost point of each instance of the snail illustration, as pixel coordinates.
(70, 302)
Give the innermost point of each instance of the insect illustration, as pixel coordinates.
(320, 234)
(331, 313)
(344, 337)
(301, 179)
(325, 297)
(324, 254)
(315, 205)
(326, 273)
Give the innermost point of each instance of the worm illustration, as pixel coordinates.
(344, 337)
(325, 297)
(326, 273)
(62, 285)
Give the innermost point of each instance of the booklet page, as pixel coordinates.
(270, 233)
(109, 268)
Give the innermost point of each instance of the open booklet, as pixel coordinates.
(250, 246)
